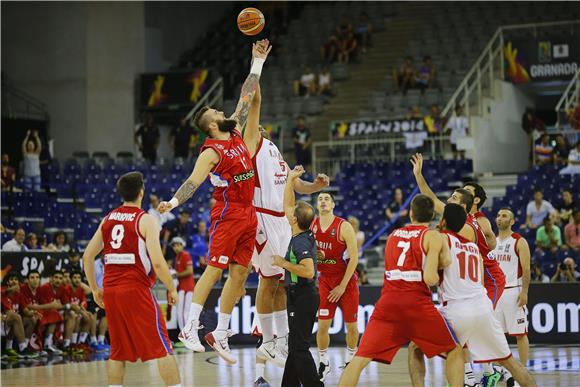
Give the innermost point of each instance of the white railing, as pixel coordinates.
(569, 99)
(330, 156)
(214, 96)
(489, 66)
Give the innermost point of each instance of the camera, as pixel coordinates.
(563, 266)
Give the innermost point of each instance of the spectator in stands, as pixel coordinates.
(537, 210)
(549, 236)
(458, 125)
(205, 215)
(426, 75)
(572, 232)
(360, 236)
(31, 241)
(573, 167)
(344, 27)
(161, 218)
(182, 140)
(531, 124)
(566, 207)
(199, 244)
(537, 275)
(306, 85)
(363, 31)
(434, 124)
(325, 82)
(302, 142)
(74, 263)
(8, 173)
(329, 49)
(561, 150)
(362, 275)
(59, 242)
(176, 228)
(566, 271)
(147, 138)
(574, 115)
(544, 150)
(43, 242)
(347, 49)
(31, 148)
(414, 113)
(394, 208)
(17, 243)
(404, 76)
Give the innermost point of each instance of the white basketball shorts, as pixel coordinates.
(273, 237)
(513, 319)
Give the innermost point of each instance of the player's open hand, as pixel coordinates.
(336, 293)
(164, 207)
(522, 299)
(296, 172)
(98, 297)
(172, 297)
(320, 255)
(322, 181)
(261, 49)
(417, 161)
(278, 261)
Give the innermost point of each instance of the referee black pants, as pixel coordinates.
(300, 369)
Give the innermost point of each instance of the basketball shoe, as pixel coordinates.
(218, 340)
(189, 337)
(270, 352)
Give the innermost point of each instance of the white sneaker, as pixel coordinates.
(282, 345)
(323, 371)
(53, 350)
(269, 351)
(218, 340)
(188, 336)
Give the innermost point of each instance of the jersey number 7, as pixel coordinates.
(405, 246)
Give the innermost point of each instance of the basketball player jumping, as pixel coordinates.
(405, 312)
(273, 237)
(337, 281)
(226, 159)
(465, 304)
(513, 254)
(129, 239)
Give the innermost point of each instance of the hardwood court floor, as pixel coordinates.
(551, 366)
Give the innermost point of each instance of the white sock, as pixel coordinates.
(26, 341)
(75, 338)
(94, 339)
(223, 321)
(468, 367)
(83, 337)
(260, 368)
(267, 325)
(487, 368)
(194, 312)
(9, 343)
(101, 339)
(66, 343)
(350, 354)
(22, 346)
(281, 323)
(322, 356)
(48, 340)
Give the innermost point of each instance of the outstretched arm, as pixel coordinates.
(250, 85)
(252, 132)
(488, 232)
(417, 161)
(289, 199)
(306, 188)
(206, 161)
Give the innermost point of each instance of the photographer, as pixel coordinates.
(566, 271)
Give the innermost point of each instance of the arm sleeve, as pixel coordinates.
(529, 209)
(303, 249)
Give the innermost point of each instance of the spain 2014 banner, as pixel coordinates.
(174, 89)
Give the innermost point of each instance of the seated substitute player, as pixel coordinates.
(186, 283)
(405, 312)
(129, 239)
(87, 322)
(465, 304)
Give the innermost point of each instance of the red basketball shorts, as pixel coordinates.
(136, 325)
(402, 317)
(348, 303)
(494, 282)
(232, 234)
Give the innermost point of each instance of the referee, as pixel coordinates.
(303, 298)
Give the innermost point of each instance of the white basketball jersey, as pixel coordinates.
(271, 175)
(462, 279)
(506, 254)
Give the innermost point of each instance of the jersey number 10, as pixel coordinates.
(472, 266)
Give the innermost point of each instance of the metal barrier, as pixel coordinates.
(569, 99)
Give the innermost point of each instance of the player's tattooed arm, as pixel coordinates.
(186, 191)
(245, 102)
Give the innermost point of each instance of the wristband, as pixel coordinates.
(257, 65)
(174, 202)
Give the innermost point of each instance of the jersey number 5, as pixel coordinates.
(405, 246)
(117, 234)
(472, 266)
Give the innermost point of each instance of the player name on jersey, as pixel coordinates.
(407, 234)
(122, 217)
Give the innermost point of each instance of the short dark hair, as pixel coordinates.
(10, 276)
(423, 208)
(567, 190)
(510, 210)
(32, 272)
(129, 185)
(466, 198)
(454, 216)
(58, 233)
(536, 190)
(304, 214)
(57, 272)
(329, 194)
(197, 121)
(75, 272)
(546, 219)
(479, 193)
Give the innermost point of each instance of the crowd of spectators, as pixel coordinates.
(311, 84)
(346, 42)
(22, 241)
(406, 76)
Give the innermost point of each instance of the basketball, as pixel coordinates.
(251, 21)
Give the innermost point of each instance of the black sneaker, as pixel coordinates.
(261, 382)
(323, 370)
(29, 354)
(344, 366)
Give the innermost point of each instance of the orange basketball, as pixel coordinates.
(251, 21)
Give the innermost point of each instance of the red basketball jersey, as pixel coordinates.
(127, 262)
(28, 296)
(405, 261)
(47, 294)
(481, 241)
(328, 241)
(11, 301)
(78, 297)
(233, 177)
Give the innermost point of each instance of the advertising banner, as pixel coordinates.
(344, 129)
(173, 89)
